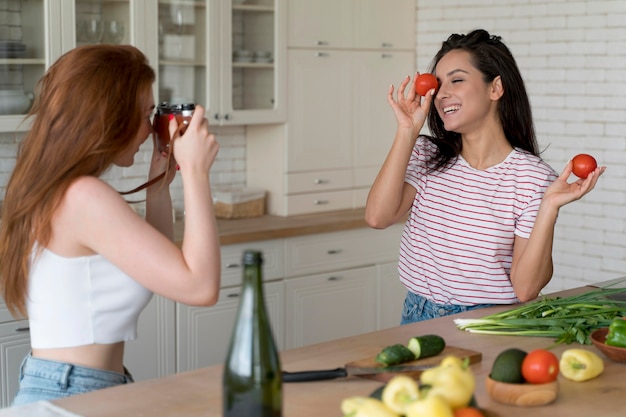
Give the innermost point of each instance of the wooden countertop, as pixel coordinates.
(199, 393)
(274, 227)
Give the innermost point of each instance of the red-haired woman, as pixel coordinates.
(74, 257)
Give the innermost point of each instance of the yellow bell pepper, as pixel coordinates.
(580, 365)
(365, 407)
(399, 392)
(452, 380)
(431, 406)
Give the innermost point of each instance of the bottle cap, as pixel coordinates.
(252, 257)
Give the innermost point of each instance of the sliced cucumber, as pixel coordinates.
(395, 354)
(426, 346)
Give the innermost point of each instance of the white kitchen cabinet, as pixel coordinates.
(227, 55)
(153, 353)
(391, 295)
(14, 346)
(352, 24)
(330, 306)
(189, 43)
(204, 332)
(329, 153)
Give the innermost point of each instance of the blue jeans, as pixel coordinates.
(417, 308)
(42, 379)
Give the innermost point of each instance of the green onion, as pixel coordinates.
(567, 319)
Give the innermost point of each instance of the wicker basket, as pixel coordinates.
(239, 203)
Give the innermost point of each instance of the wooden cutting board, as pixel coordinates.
(405, 368)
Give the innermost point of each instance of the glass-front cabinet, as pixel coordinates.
(227, 55)
(23, 58)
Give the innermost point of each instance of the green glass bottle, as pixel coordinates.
(252, 381)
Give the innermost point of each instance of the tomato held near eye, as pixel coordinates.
(540, 366)
(424, 83)
(583, 165)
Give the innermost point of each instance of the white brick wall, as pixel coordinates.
(572, 55)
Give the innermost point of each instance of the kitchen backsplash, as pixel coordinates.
(228, 170)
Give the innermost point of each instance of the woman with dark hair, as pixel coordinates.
(481, 203)
(75, 259)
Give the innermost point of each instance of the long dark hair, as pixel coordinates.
(88, 111)
(492, 58)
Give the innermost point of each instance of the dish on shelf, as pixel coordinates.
(598, 338)
(10, 49)
(14, 101)
(263, 60)
(243, 59)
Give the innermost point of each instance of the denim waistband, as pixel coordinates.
(66, 373)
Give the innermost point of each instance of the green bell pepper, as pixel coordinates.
(617, 333)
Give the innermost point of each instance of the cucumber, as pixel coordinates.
(395, 354)
(426, 346)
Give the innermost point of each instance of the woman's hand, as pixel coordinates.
(410, 111)
(560, 192)
(196, 148)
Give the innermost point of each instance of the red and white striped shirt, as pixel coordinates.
(457, 245)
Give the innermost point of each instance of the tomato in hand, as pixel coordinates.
(583, 165)
(540, 367)
(424, 83)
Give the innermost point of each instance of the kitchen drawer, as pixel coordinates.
(306, 182)
(340, 250)
(5, 316)
(359, 197)
(272, 261)
(319, 202)
(365, 176)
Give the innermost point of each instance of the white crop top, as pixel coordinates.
(81, 301)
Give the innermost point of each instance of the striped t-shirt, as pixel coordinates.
(457, 244)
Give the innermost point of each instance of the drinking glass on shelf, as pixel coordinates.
(93, 30)
(113, 31)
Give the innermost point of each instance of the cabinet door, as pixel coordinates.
(204, 332)
(14, 346)
(330, 306)
(388, 24)
(374, 122)
(320, 110)
(320, 23)
(25, 50)
(153, 353)
(391, 295)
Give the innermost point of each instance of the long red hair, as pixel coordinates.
(87, 112)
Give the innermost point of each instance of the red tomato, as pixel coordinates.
(424, 83)
(583, 165)
(540, 366)
(468, 412)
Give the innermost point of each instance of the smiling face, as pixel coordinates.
(465, 102)
(127, 158)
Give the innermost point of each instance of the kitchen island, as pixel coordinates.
(199, 393)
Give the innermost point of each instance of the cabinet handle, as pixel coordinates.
(321, 43)
(22, 329)
(232, 266)
(322, 54)
(333, 278)
(320, 202)
(386, 56)
(233, 295)
(227, 116)
(320, 181)
(386, 45)
(334, 251)
(216, 116)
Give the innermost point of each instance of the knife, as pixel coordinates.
(326, 374)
